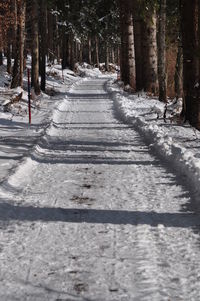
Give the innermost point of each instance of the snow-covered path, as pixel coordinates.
(93, 215)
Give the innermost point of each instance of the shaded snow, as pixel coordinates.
(176, 144)
(91, 214)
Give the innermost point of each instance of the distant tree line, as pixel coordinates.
(67, 31)
(151, 40)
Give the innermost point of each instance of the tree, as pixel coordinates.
(127, 43)
(18, 68)
(35, 47)
(190, 37)
(162, 51)
(43, 42)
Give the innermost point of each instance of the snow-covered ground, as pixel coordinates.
(178, 144)
(94, 208)
(17, 138)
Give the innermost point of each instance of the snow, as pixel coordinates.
(176, 144)
(95, 203)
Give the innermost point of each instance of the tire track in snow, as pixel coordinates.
(116, 230)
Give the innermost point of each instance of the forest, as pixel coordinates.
(155, 43)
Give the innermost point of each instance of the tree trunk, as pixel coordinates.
(138, 53)
(57, 40)
(1, 57)
(131, 50)
(189, 12)
(9, 65)
(14, 27)
(127, 43)
(64, 49)
(107, 57)
(150, 51)
(89, 50)
(178, 78)
(43, 43)
(22, 18)
(124, 45)
(35, 48)
(162, 52)
(50, 37)
(97, 50)
(16, 67)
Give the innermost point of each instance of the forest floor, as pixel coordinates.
(98, 198)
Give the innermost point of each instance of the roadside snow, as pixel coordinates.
(92, 214)
(17, 137)
(177, 144)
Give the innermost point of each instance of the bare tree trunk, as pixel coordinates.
(131, 50)
(89, 50)
(107, 57)
(80, 48)
(150, 51)
(35, 48)
(97, 50)
(14, 28)
(9, 65)
(22, 19)
(113, 55)
(17, 74)
(178, 78)
(127, 43)
(124, 43)
(43, 42)
(57, 39)
(138, 53)
(162, 52)
(190, 38)
(1, 57)
(50, 37)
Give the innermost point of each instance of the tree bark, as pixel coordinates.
(106, 56)
(9, 65)
(89, 50)
(189, 13)
(43, 42)
(162, 51)
(97, 50)
(150, 51)
(22, 19)
(138, 38)
(50, 37)
(127, 61)
(1, 57)
(178, 78)
(17, 74)
(35, 48)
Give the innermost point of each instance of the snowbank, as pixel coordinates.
(86, 70)
(162, 138)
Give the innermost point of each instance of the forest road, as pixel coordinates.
(93, 215)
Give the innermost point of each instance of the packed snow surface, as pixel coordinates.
(92, 214)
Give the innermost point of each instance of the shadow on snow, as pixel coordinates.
(9, 212)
